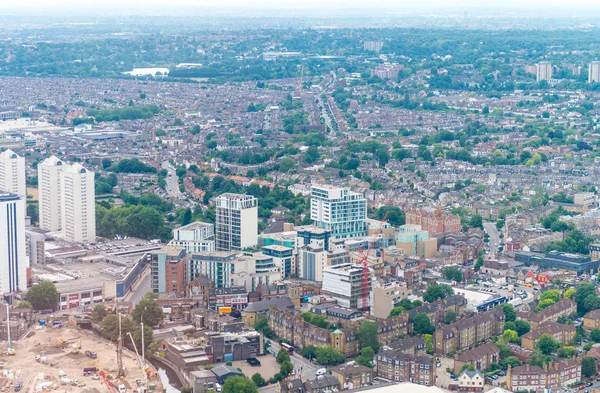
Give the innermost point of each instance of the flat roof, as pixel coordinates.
(74, 277)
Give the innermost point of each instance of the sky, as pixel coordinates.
(383, 5)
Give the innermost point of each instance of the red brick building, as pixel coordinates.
(434, 222)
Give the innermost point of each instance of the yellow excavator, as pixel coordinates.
(76, 348)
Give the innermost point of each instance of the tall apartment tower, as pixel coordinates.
(544, 71)
(78, 204)
(49, 190)
(339, 210)
(236, 222)
(12, 173)
(373, 46)
(594, 72)
(13, 254)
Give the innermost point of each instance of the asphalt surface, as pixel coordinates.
(172, 180)
(140, 288)
(492, 231)
(303, 368)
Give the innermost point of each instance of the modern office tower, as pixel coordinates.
(237, 222)
(339, 210)
(78, 204)
(49, 193)
(544, 71)
(344, 283)
(194, 237)
(594, 72)
(12, 173)
(13, 254)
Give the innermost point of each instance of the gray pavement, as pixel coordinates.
(172, 180)
(140, 288)
(492, 231)
(303, 368)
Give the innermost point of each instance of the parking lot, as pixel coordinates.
(268, 367)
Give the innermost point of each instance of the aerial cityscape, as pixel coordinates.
(299, 197)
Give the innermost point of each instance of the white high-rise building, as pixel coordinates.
(78, 204)
(339, 210)
(49, 193)
(13, 254)
(236, 222)
(594, 72)
(544, 71)
(67, 200)
(194, 237)
(12, 173)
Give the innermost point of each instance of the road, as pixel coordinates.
(140, 288)
(492, 231)
(172, 180)
(304, 367)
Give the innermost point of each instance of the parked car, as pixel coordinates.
(587, 385)
(321, 371)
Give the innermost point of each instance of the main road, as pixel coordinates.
(172, 180)
(492, 231)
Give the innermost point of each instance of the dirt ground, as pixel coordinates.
(23, 366)
(268, 367)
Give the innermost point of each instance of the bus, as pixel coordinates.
(287, 347)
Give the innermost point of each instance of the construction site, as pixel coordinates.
(65, 357)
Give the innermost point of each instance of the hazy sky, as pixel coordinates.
(396, 5)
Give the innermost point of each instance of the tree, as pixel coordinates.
(479, 264)
(286, 368)
(367, 335)
(329, 356)
(395, 216)
(537, 358)
(569, 293)
(186, 389)
(24, 304)
(258, 380)
(522, 327)
(504, 349)
(449, 317)
(544, 304)
(428, 338)
(588, 366)
(422, 324)
(309, 352)
(452, 273)
(311, 155)
(396, 311)
(239, 384)
(509, 312)
(553, 294)
(366, 357)
(287, 164)
(513, 361)
(282, 356)
(110, 326)
(510, 326)
(187, 216)
(510, 336)
(547, 344)
(98, 313)
(151, 311)
(467, 367)
(437, 291)
(476, 221)
(582, 293)
(43, 296)
(595, 335)
(567, 352)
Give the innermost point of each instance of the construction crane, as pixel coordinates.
(10, 350)
(364, 261)
(136, 351)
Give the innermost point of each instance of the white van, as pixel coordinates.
(321, 371)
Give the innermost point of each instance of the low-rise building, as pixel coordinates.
(562, 333)
(471, 381)
(564, 307)
(479, 357)
(203, 381)
(352, 376)
(400, 367)
(465, 333)
(258, 309)
(561, 373)
(591, 320)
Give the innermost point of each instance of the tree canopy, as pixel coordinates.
(43, 296)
